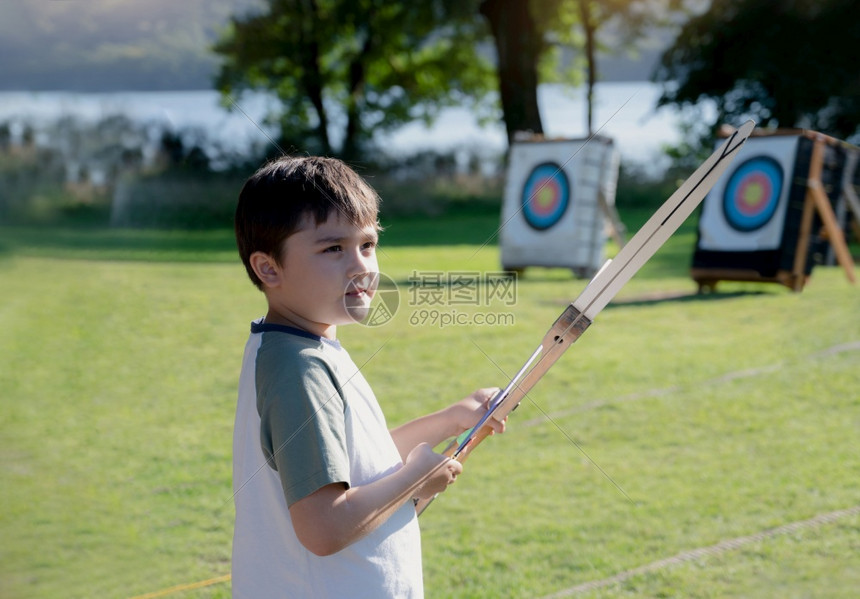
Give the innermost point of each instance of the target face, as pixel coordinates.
(545, 196)
(752, 193)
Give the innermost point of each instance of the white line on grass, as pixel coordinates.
(701, 552)
(723, 378)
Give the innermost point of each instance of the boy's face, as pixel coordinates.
(327, 276)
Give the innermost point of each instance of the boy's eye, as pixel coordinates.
(368, 245)
(333, 248)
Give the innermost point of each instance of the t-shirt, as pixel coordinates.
(305, 418)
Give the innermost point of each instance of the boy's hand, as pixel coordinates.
(436, 471)
(465, 413)
(446, 423)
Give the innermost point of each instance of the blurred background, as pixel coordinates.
(127, 129)
(151, 114)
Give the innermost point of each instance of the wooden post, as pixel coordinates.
(818, 199)
(797, 277)
(848, 191)
(617, 230)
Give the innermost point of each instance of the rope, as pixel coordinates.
(184, 587)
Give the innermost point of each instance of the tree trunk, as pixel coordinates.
(589, 27)
(311, 77)
(357, 78)
(518, 45)
(351, 148)
(314, 87)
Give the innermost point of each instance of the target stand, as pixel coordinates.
(849, 208)
(559, 204)
(773, 215)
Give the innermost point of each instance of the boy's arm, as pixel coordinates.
(446, 423)
(333, 517)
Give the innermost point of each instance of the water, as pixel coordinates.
(624, 111)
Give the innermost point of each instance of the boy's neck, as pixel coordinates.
(327, 331)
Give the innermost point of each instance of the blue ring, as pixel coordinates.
(746, 223)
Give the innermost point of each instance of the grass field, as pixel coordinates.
(724, 423)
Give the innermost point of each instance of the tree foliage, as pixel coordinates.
(789, 63)
(360, 66)
(380, 63)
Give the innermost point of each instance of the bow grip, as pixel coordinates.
(566, 329)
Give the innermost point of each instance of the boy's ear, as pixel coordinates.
(266, 268)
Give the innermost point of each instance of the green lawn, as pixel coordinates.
(718, 417)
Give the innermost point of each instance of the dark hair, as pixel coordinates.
(275, 199)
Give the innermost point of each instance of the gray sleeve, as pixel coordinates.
(302, 430)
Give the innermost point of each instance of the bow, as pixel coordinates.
(578, 316)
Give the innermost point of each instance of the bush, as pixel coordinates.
(640, 190)
(177, 199)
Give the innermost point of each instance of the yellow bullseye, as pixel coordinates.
(545, 198)
(753, 195)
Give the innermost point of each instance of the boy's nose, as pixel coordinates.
(362, 263)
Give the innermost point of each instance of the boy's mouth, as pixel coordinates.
(363, 286)
(371, 299)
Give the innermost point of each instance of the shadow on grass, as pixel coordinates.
(683, 297)
(219, 245)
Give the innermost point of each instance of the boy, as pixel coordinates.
(323, 491)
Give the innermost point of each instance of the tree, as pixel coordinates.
(786, 64)
(381, 63)
(630, 17)
(534, 39)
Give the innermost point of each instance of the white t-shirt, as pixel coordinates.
(305, 418)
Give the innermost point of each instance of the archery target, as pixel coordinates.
(745, 210)
(545, 196)
(553, 211)
(752, 193)
(753, 224)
